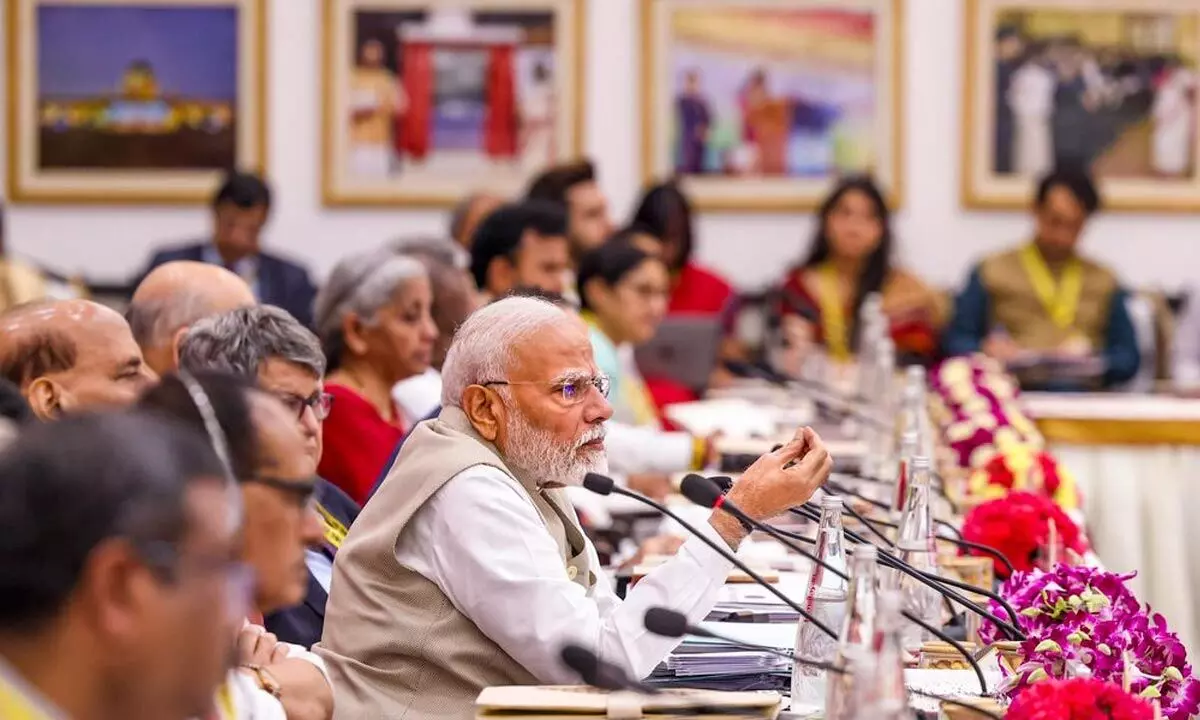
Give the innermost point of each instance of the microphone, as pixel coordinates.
(933, 578)
(935, 582)
(702, 491)
(598, 673)
(959, 542)
(843, 490)
(669, 623)
(825, 395)
(602, 485)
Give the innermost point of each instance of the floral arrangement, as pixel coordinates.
(1019, 526)
(1022, 469)
(1078, 699)
(987, 432)
(1082, 622)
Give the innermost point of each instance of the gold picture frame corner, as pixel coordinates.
(18, 193)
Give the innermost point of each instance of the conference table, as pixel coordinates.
(1136, 459)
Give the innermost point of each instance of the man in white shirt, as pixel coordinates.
(469, 568)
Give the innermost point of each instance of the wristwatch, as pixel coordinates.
(266, 681)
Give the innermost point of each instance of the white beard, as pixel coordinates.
(535, 453)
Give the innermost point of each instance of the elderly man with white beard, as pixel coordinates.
(468, 567)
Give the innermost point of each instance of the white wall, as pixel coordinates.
(936, 236)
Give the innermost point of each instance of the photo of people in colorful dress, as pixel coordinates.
(773, 92)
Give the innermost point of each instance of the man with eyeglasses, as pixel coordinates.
(269, 347)
(266, 459)
(120, 545)
(470, 569)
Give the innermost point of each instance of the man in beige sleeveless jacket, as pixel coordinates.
(468, 567)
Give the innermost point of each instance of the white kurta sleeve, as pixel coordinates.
(481, 540)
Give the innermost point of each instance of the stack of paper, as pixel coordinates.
(704, 656)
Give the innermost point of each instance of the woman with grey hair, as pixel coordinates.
(373, 319)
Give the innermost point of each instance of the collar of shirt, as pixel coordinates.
(246, 268)
(21, 701)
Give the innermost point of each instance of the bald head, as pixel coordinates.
(70, 355)
(175, 295)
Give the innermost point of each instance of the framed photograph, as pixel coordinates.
(1106, 85)
(764, 104)
(425, 100)
(133, 101)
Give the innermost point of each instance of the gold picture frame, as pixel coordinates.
(389, 140)
(115, 119)
(1106, 85)
(817, 134)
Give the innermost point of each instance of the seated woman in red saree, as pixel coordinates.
(851, 257)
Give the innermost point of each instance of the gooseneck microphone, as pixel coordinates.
(933, 578)
(824, 394)
(669, 623)
(704, 492)
(603, 485)
(843, 490)
(937, 583)
(598, 673)
(958, 542)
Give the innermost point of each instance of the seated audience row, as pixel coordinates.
(1044, 301)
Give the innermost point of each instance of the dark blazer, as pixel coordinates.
(281, 282)
(302, 625)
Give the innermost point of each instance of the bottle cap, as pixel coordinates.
(831, 502)
(889, 601)
(915, 373)
(865, 550)
(920, 462)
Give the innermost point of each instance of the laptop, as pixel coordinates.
(684, 350)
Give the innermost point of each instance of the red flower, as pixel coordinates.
(1049, 467)
(998, 472)
(1078, 699)
(1018, 525)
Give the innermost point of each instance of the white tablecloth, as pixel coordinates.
(1140, 496)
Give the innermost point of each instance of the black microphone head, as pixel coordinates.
(599, 484)
(723, 482)
(583, 661)
(667, 623)
(700, 490)
(594, 671)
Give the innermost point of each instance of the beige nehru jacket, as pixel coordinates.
(394, 644)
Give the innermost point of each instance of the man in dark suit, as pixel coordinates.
(268, 346)
(240, 209)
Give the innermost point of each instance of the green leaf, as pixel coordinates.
(1172, 673)
(1151, 692)
(1036, 675)
(1048, 646)
(1030, 612)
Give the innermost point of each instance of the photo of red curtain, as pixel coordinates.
(413, 128)
(500, 119)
